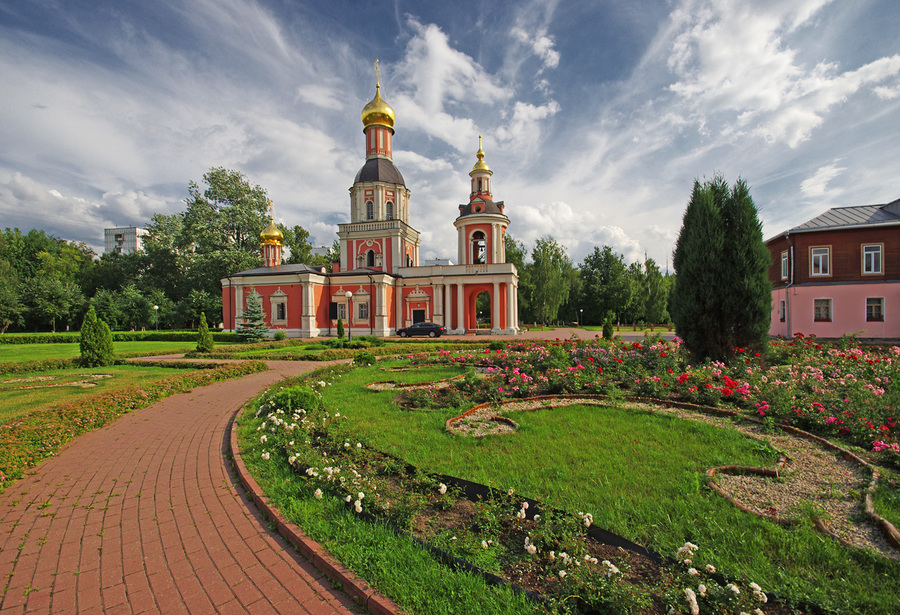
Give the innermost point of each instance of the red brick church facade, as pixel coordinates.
(379, 265)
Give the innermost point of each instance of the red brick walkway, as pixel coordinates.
(144, 516)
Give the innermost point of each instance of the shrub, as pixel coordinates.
(364, 358)
(280, 335)
(204, 338)
(608, 331)
(96, 341)
(340, 328)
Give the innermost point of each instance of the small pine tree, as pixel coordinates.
(608, 328)
(96, 341)
(340, 328)
(204, 339)
(254, 326)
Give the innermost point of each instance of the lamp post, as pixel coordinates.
(580, 317)
(156, 316)
(349, 296)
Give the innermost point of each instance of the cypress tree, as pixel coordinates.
(254, 326)
(204, 339)
(747, 292)
(96, 342)
(722, 296)
(696, 304)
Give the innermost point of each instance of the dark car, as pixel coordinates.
(422, 328)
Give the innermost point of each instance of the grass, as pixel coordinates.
(396, 565)
(18, 353)
(639, 475)
(16, 401)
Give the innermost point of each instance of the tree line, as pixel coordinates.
(48, 284)
(552, 289)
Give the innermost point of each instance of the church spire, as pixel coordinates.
(481, 176)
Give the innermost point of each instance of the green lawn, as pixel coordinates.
(24, 393)
(638, 473)
(18, 353)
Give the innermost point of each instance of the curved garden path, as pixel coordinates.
(145, 516)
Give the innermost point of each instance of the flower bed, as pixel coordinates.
(851, 394)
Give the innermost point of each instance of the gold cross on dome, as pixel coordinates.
(377, 75)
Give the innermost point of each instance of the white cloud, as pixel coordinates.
(817, 185)
(540, 44)
(735, 66)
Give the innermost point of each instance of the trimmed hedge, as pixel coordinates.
(44, 365)
(25, 441)
(72, 337)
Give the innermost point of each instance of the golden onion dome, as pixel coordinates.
(378, 111)
(481, 165)
(271, 234)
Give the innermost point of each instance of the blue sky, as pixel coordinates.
(597, 115)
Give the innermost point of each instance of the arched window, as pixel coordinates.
(478, 248)
(479, 184)
(390, 210)
(370, 210)
(370, 258)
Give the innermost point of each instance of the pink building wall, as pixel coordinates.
(848, 310)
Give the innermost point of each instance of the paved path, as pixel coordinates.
(144, 516)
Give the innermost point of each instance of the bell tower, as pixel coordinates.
(379, 236)
(481, 224)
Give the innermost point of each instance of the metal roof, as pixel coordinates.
(279, 270)
(847, 217)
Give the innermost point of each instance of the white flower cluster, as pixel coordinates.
(691, 598)
(686, 551)
(530, 548)
(610, 568)
(442, 488)
(586, 518)
(758, 593)
(521, 513)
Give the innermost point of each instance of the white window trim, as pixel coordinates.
(883, 309)
(784, 265)
(830, 309)
(880, 252)
(813, 257)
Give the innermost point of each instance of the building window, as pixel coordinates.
(370, 210)
(390, 210)
(342, 311)
(871, 259)
(364, 310)
(370, 258)
(875, 309)
(784, 265)
(820, 261)
(782, 310)
(822, 310)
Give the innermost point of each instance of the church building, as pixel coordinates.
(378, 287)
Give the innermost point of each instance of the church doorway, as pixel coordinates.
(418, 316)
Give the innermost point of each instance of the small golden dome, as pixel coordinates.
(271, 234)
(377, 111)
(481, 165)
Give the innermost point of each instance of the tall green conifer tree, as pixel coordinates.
(722, 297)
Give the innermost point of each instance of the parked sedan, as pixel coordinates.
(422, 328)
